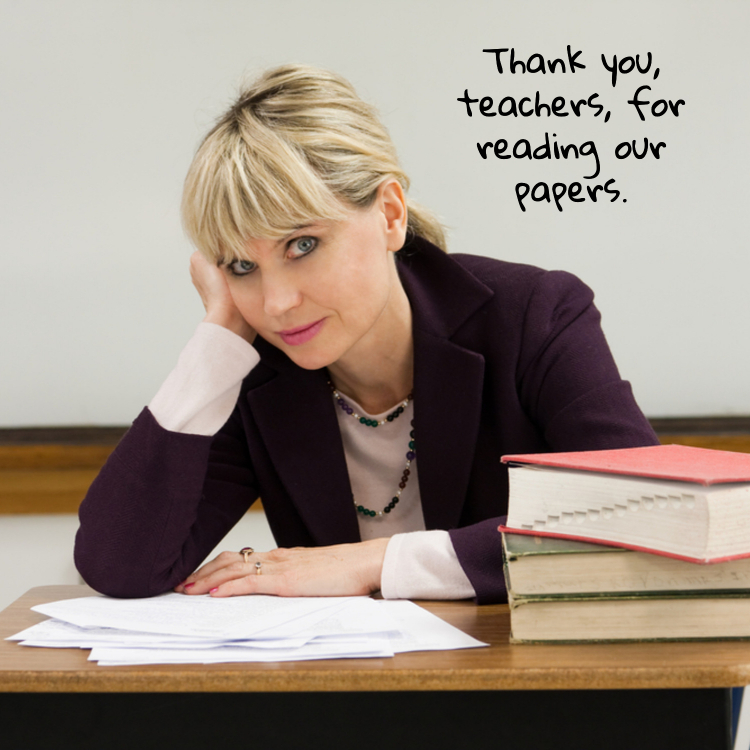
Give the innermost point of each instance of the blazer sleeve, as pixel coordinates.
(569, 386)
(159, 506)
(567, 379)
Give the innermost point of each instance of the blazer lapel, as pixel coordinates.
(295, 413)
(447, 407)
(448, 379)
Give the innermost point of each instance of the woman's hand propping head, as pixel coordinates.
(212, 286)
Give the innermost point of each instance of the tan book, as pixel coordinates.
(628, 618)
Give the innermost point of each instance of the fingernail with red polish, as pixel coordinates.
(212, 590)
(188, 585)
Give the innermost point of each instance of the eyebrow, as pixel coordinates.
(296, 229)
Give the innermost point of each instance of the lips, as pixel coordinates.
(301, 334)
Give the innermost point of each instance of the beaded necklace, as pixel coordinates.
(411, 453)
(395, 414)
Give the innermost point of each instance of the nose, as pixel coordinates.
(280, 294)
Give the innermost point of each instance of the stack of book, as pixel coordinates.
(634, 544)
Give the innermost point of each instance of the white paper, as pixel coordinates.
(178, 614)
(420, 630)
(179, 629)
(371, 648)
(358, 615)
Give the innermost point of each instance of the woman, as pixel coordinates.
(348, 371)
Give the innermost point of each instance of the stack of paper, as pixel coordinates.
(179, 629)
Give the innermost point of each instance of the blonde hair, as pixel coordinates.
(297, 146)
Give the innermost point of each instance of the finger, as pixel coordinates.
(223, 560)
(227, 557)
(210, 575)
(197, 274)
(279, 580)
(267, 583)
(211, 283)
(237, 569)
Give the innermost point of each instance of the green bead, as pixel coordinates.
(363, 420)
(411, 445)
(411, 434)
(360, 508)
(373, 513)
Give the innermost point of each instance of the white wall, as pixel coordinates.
(103, 104)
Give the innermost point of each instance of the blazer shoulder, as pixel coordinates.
(520, 280)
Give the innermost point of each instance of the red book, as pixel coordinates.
(691, 503)
(700, 465)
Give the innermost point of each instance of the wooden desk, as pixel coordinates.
(575, 697)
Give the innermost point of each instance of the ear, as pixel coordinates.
(393, 206)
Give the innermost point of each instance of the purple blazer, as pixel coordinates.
(508, 358)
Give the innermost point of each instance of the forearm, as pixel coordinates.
(479, 550)
(201, 391)
(144, 523)
(138, 513)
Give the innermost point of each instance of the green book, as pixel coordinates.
(567, 591)
(546, 566)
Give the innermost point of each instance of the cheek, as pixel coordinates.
(249, 304)
(366, 272)
(357, 291)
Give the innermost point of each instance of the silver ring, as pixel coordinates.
(246, 552)
(258, 568)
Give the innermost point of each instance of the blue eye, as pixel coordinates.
(304, 245)
(241, 267)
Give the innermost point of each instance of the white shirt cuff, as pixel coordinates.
(200, 394)
(423, 565)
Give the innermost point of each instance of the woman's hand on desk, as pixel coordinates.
(211, 283)
(341, 570)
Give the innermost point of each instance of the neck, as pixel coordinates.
(378, 371)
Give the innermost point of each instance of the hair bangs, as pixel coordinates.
(252, 186)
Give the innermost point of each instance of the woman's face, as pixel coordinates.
(328, 289)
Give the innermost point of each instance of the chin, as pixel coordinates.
(309, 358)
